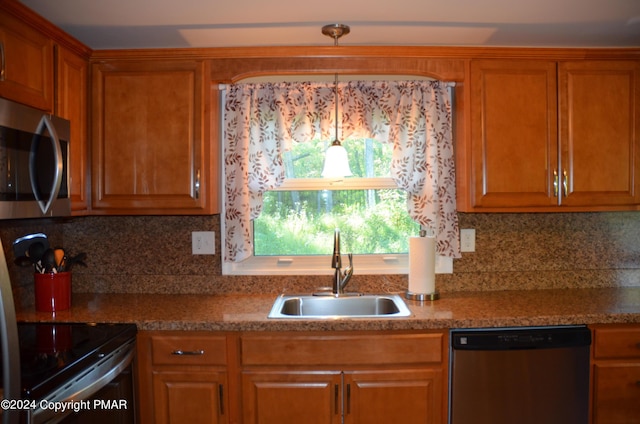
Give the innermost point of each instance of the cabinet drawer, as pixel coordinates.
(617, 342)
(189, 350)
(616, 393)
(348, 349)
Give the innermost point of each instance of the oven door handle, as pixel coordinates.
(126, 357)
(90, 383)
(9, 341)
(45, 123)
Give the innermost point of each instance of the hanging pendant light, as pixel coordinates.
(336, 161)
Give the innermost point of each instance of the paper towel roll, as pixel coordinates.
(422, 265)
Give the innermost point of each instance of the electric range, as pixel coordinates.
(71, 362)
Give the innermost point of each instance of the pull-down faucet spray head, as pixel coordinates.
(340, 279)
(336, 260)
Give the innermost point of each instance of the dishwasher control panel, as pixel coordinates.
(521, 338)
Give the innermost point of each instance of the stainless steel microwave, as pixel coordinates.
(34, 163)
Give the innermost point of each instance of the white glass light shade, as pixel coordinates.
(336, 162)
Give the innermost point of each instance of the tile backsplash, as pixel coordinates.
(152, 254)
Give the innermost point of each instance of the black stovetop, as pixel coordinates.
(51, 354)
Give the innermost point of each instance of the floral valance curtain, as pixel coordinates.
(262, 120)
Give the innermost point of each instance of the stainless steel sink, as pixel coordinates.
(343, 306)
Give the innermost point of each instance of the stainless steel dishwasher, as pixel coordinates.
(520, 375)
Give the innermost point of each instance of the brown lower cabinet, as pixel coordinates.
(350, 378)
(616, 374)
(335, 377)
(182, 377)
(385, 396)
(292, 396)
(293, 377)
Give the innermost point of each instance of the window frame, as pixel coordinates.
(392, 263)
(373, 264)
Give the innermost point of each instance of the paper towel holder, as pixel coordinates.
(421, 297)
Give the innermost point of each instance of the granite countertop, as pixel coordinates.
(245, 312)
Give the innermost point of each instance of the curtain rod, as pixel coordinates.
(223, 87)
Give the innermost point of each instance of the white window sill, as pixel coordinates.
(321, 265)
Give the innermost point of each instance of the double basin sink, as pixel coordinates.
(342, 306)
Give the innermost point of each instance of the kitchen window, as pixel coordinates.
(275, 135)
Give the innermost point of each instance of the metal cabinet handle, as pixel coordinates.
(556, 183)
(197, 184)
(3, 64)
(221, 398)
(188, 352)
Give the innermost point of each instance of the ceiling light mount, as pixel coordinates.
(335, 31)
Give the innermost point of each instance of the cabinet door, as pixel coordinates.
(150, 148)
(190, 397)
(599, 127)
(394, 396)
(26, 64)
(71, 104)
(291, 397)
(616, 395)
(513, 133)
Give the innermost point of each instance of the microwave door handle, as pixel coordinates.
(45, 123)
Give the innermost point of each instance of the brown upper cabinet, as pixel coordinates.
(600, 132)
(26, 64)
(43, 67)
(152, 150)
(549, 135)
(536, 129)
(72, 98)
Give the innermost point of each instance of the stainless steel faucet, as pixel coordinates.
(341, 278)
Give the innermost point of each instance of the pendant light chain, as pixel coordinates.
(336, 162)
(336, 31)
(336, 102)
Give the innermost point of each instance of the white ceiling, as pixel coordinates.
(119, 24)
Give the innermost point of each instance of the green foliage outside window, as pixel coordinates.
(301, 222)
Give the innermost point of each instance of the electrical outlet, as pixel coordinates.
(203, 242)
(468, 240)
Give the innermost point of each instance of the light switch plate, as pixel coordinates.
(203, 242)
